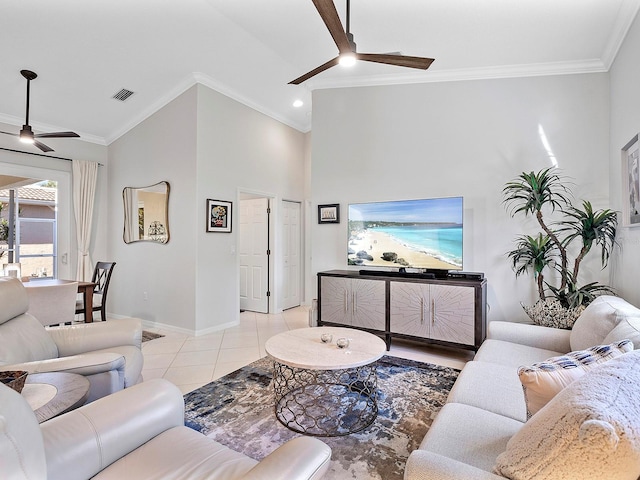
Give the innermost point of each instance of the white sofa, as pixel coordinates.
(108, 353)
(137, 433)
(591, 429)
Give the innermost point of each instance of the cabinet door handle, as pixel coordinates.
(433, 312)
(421, 310)
(346, 302)
(353, 303)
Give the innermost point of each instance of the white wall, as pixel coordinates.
(163, 147)
(625, 124)
(239, 149)
(205, 145)
(458, 138)
(25, 164)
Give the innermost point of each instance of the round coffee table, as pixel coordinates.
(51, 394)
(320, 389)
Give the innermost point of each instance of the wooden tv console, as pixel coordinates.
(450, 312)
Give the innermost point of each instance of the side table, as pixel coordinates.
(51, 394)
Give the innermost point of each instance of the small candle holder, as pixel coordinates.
(326, 338)
(342, 342)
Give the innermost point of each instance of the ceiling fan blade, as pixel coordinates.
(57, 135)
(399, 60)
(315, 71)
(8, 133)
(42, 146)
(329, 15)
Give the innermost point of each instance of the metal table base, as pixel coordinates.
(325, 403)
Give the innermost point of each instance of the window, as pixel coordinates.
(42, 237)
(32, 212)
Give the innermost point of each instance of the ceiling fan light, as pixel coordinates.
(26, 134)
(347, 59)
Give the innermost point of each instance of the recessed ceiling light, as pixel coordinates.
(298, 103)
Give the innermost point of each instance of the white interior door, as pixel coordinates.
(254, 261)
(291, 229)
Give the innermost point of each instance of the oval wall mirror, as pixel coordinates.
(146, 213)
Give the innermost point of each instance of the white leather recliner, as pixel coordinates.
(136, 433)
(107, 353)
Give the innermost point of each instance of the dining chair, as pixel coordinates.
(101, 277)
(52, 304)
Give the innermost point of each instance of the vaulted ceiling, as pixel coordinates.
(84, 52)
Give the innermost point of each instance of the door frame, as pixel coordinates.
(275, 244)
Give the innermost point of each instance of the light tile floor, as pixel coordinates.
(191, 362)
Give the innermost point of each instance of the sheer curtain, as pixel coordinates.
(85, 175)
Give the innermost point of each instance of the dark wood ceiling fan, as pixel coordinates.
(347, 47)
(26, 133)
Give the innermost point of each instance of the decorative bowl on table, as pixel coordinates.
(14, 379)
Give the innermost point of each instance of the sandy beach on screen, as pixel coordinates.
(376, 243)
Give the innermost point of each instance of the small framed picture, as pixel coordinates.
(329, 213)
(219, 215)
(631, 183)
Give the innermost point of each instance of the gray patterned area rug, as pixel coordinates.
(238, 411)
(146, 335)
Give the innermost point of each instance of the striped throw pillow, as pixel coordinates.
(543, 380)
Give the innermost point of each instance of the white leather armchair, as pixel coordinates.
(137, 433)
(108, 353)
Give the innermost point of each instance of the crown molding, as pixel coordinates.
(207, 81)
(510, 71)
(630, 10)
(219, 87)
(485, 73)
(626, 16)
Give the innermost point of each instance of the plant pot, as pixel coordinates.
(14, 379)
(551, 313)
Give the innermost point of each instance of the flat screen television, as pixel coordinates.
(422, 234)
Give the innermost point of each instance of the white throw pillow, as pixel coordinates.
(627, 328)
(590, 430)
(543, 380)
(599, 319)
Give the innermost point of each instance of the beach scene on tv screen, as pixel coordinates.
(412, 233)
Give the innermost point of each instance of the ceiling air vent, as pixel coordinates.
(123, 94)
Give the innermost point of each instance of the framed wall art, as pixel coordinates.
(631, 183)
(219, 216)
(329, 213)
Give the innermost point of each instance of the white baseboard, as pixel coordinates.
(172, 328)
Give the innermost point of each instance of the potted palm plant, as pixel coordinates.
(552, 249)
